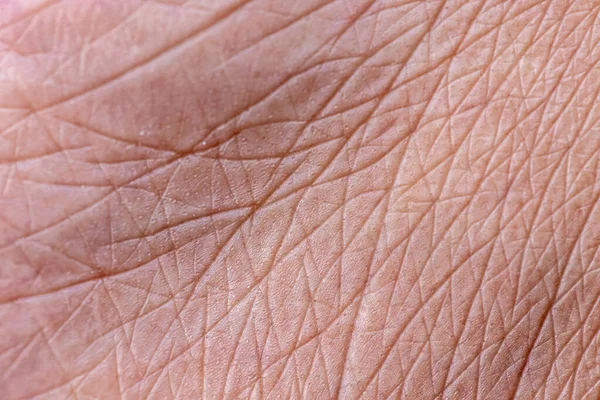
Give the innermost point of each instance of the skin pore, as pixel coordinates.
(319, 199)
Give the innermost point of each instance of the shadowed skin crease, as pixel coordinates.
(313, 199)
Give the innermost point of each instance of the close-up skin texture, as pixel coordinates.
(318, 199)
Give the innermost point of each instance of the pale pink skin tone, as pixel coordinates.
(283, 199)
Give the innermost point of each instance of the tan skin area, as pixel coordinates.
(320, 199)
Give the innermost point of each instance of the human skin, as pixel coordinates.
(282, 199)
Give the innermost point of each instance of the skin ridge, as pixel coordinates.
(369, 216)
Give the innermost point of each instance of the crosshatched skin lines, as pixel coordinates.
(353, 199)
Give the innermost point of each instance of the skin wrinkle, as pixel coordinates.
(549, 308)
(168, 162)
(402, 204)
(344, 368)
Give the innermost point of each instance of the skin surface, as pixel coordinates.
(284, 199)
